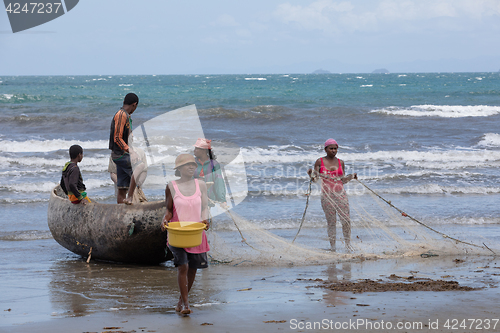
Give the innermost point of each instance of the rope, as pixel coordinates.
(421, 223)
(308, 194)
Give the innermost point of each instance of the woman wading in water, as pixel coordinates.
(186, 200)
(333, 195)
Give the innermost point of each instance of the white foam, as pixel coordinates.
(283, 154)
(440, 189)
(434, 159)
(366, 85)
(444, 111)
(437, 159)
(46, 187)
(402, 75)
(256, 78)
(354, 189)
(89, 164)
(125, 85)
(270, 156)
(30, 187)
(490, 140)
(8, 96)
(48, 145)
(421, 174)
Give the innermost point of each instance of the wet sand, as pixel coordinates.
(242, 298)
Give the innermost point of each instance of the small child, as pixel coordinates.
(71, 180)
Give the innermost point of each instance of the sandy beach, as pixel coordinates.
(427, 143)
(244, 298)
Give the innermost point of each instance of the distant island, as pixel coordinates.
(381, 70)
(321, 71)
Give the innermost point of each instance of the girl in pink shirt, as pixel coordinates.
(186, 200)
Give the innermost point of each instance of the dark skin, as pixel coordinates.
(122, 193)
(187, 186)
(77, 160)
(331, 163)
(201, 154)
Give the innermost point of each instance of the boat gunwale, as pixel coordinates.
(149, 205)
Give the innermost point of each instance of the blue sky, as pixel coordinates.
(224, 37)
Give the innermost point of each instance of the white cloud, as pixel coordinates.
(333, 16)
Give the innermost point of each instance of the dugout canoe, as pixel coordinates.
(120, 233)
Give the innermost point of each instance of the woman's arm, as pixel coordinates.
(312, 174)
(204, 202)
(170, 208)
(347, 178)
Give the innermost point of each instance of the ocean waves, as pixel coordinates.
(490, 140)
(415, 138)
(18, 155)
(439, 159)
(48, 145)
(443, 111)
(425, 189)
(355, 189)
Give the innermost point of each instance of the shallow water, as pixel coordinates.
(55, 284)
(429, 143)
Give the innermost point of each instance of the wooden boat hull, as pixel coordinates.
(121, 233)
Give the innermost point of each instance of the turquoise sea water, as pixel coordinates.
(432, 137)
(428, 142)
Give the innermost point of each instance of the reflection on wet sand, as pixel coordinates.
(335, 274)
(77, 288)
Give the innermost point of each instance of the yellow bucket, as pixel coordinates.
(185, 234)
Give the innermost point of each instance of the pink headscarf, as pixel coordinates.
(330, 142)
(203, 143)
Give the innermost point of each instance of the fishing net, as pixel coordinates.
(377, 228)
(367, 227)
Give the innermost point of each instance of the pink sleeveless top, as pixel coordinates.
(188, 209)
(329, 184)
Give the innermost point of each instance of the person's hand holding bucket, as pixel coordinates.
(207, 223)
(164, 222)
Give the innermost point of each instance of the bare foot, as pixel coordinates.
(178, 308)
(186, 311)
(127, 201)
